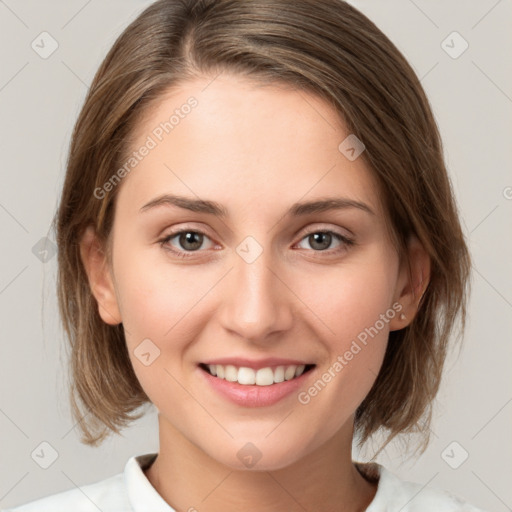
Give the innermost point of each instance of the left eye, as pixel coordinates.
(321, 240)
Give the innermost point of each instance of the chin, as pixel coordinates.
(258, 453)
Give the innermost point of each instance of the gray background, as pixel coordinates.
(39, 100)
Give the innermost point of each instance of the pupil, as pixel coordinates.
(323, 239)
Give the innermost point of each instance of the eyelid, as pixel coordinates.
(314, 228)
(319, 227)
(185, 227)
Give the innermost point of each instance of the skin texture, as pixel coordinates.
(256, 150)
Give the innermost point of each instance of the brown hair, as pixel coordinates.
(324, 47)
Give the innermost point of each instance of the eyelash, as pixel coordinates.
(348, 242)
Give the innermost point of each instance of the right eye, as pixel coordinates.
(188, 241)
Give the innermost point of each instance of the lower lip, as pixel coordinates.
(254, 396)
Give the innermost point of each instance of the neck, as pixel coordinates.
(326, 479)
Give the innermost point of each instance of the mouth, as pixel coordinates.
(265, 376)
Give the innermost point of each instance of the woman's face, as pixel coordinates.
(259, 286)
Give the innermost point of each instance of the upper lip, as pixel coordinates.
(271, 362)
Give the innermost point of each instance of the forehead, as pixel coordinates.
(246, 144)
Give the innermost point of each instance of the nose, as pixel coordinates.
(256, 303)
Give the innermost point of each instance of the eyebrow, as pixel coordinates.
(296, 210)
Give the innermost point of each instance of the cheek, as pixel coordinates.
(354, 306)
(156, 313)
(155, 298)
(162, 314)
(352, 298)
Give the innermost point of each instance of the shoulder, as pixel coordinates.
(107, 495)
(394, 494)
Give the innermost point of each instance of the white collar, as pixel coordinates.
(392, 492)
(142, 495)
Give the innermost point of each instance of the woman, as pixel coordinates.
(257, 235)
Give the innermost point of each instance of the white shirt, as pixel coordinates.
(131, 491)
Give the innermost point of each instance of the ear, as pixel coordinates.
(411, 286)
(99, 276)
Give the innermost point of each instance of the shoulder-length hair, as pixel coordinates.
(327, 48)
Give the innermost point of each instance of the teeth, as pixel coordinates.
(262, 377)
(246, 376)
(230, 373)
(279, 374)
(300, 370)
(289, 373)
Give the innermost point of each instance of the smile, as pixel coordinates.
(262, 377)
(249, 382)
